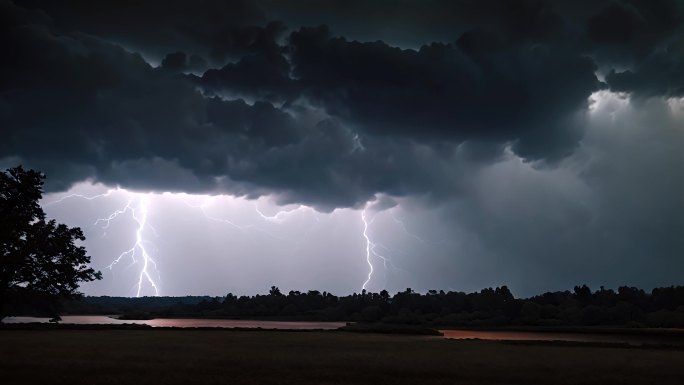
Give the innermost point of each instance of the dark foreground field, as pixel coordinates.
(268, 357)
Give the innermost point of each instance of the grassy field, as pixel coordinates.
(268, 357)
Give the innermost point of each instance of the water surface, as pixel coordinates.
(500, 335)
(507, 335)
(184, 322)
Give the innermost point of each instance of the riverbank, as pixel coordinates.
(603, 335)
(239, 357)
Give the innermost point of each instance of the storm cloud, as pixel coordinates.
(74, 91)
(527, 121)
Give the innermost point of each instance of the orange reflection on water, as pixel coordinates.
(508, 335)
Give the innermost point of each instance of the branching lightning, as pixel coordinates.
(403, 227)
(372, 251)
(416, 237)
(202, 207)
(369, 248)
(373, 248)
(138, 252)
(140, 244)
(139, 215)
(89, 198)
(279, 217)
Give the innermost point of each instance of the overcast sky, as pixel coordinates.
(227, 146)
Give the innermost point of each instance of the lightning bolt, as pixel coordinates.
(403, 227)
(139, 214)
(140, 254)
(141, 219)
(369, 249)
(282, 215)
(385, 261)
(416, 237)
(203, 208)
(113, 216)
(373, 249)
(107, 221)
(89, 198)
(278, 218)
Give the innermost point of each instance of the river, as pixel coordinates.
(674, 337)
(185, 322)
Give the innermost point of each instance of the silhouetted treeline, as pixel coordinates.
(28, 303)
(628, 306)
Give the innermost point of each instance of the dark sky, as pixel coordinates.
(538, 144)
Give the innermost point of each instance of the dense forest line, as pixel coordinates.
(626, 306)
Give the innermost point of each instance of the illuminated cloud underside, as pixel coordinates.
(260, 219)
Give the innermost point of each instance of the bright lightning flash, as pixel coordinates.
(137, 207)
(369, 247)
(138, 252)
(373, 248)
(282, 215)
(139, 215)
(372, 251)
(278, 218)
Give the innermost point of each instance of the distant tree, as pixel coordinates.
(274, 291)
(504, 293)
(36, 256)
(583, 293)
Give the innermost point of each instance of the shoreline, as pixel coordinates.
(605, 330)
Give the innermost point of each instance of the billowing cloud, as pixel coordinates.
(214, 29)
(527, 120)
(448, 91)
(307, 114)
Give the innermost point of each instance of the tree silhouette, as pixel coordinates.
(275, 291)
(38, 258)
